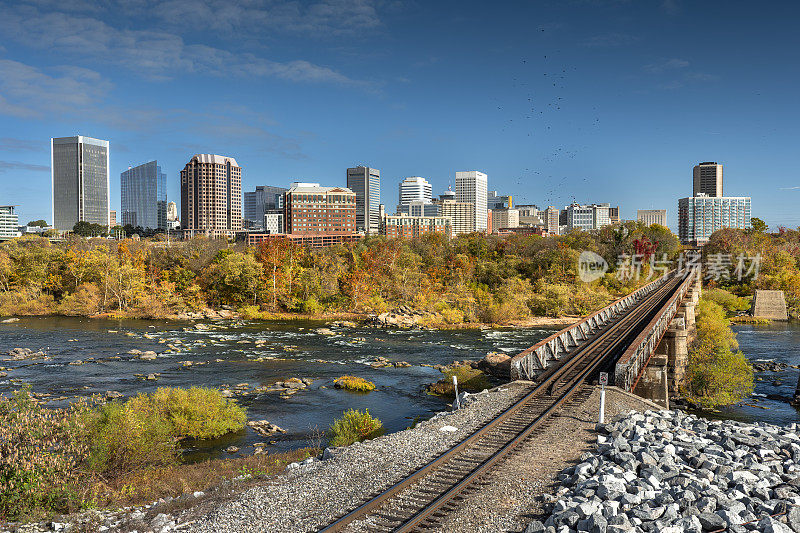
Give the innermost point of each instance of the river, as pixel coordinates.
(229, 356)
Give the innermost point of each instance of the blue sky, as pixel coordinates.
(591, 100)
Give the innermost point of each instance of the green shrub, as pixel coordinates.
(124, 439)
(198, 413)
(353, 383)
(717, 373)
(41, 452)
(469, 380)
(145, 430)
(311, 306)
(731, 303)
(354, 426)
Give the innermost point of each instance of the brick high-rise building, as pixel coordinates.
(211, 196)
(311, 209)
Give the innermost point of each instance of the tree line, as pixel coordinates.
(470, 278)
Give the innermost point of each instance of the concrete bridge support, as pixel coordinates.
(666, 370)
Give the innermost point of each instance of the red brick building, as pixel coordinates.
(313, 210)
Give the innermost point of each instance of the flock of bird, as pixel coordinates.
(540, 117)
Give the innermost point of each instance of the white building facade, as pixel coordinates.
(648, 217)
(9, 222)
(472, 187)
(414, 189)
(700, 216)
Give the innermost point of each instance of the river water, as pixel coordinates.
(231, 357)
(779, 341)
(294, 349)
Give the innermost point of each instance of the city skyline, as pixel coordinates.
(627, 96)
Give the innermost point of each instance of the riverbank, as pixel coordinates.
(423, 320)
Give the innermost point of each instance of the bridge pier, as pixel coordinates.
(666, 369)
(654, 383)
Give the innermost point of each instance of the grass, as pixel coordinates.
(354, 426)
(469, 380)
(747, 319)
(353, 383)
(147, 485)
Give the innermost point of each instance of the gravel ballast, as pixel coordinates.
(313, 494)
(669, 472)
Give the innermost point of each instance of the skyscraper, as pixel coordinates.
(365, 182)
(414, 189)
(211, 196)
(80, 181)
(471, 186)
(707, 179)
(172, 211)
(144, 196)
(265, 199)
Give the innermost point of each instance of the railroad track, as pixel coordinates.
(423, 498)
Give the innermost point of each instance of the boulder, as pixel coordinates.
(496, 364)
(148, 355)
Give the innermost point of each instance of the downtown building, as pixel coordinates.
(551, 220)
(648, 217)
(414, 189)
(700, 216)
(707, 210)
(365, 182)
(461, 214)
(80, 181)
(211, 196)
(586, 217)
(144, 196)
(312, 209)
(504, 219)
(471, 187)
(9, 222)
(266, 199)
(707, 179)
(495, 201)
(414, 226)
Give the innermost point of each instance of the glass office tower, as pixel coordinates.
(80, 181)
(144, 196)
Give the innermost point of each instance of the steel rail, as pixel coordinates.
(592, 354)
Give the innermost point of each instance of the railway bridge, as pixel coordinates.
(651, 355)
(640, 340)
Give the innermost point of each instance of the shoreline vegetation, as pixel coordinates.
(468, 281)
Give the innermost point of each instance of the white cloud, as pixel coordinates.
(27, 92)
(163, 54)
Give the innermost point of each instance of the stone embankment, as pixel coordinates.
(669, 472)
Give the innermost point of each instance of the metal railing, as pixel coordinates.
(632, 363)
(529, 363)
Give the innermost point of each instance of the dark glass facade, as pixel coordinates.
(144, 196)
(80, 180)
